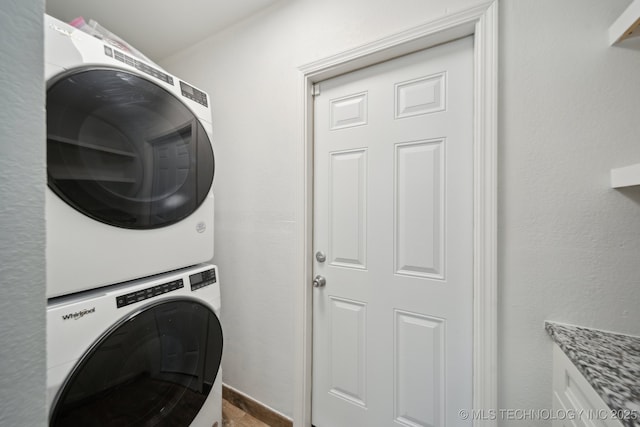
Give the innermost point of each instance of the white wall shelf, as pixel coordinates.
(626, 176)
(627, 24)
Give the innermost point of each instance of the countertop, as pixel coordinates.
(609, 361)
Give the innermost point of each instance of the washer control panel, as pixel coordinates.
(202, 279)
(141, 295)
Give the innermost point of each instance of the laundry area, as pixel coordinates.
(133, 313)
(335, 213)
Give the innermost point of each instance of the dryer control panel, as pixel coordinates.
(138, 64)
(193, 94)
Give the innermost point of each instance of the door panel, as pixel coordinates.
(419, 209)
(419, 369)
(348, 350)
(347, 207)
(393, 211)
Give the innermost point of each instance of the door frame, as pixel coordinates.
(481, 21)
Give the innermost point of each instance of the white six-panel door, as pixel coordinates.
(393, 214)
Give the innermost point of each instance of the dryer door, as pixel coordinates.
(155, 368)
(125, 151)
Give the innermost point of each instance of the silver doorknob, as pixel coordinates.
(319, 281)
(321, 256)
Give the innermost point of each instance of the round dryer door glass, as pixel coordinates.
(124, 151)
(155, 368)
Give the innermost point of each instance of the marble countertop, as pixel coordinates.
(610, 362)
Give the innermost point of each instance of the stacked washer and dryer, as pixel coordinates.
(133, 330)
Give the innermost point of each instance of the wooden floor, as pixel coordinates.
(232, 416)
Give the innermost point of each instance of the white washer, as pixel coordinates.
(130, 166)
(146, 352)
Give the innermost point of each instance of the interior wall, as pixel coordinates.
(22, 232)
(569, 244)
(251, 73)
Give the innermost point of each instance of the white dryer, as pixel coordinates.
(145, 352)
(130, 166)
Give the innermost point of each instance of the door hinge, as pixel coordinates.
(315, 90)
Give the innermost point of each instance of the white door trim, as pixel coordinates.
(481, 21)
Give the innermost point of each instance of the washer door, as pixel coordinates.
(124, 151)
(155, 368)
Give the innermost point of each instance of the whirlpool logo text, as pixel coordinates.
(78, 314)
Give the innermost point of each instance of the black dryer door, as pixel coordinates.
(154, 368)
(125, 151)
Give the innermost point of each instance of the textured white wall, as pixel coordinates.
(569, 245)
(22, 232)
(250, 71)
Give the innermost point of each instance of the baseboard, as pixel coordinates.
(254, 408)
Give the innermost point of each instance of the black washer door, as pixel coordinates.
(155, 368)
(124, 151)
